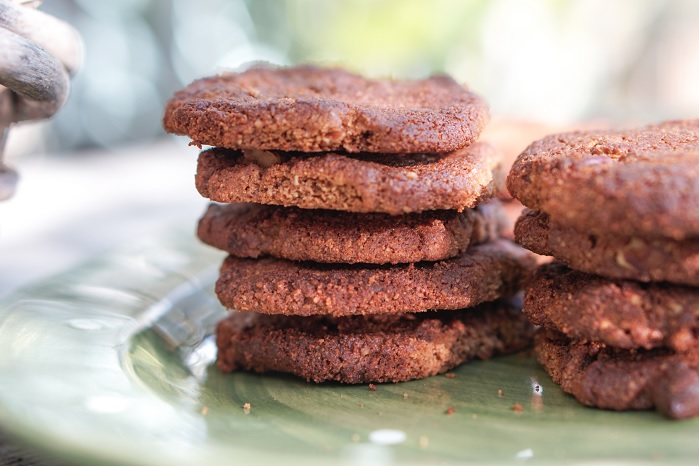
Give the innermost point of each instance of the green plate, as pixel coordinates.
(111, 363)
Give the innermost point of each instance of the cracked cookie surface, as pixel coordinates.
(611, 256)
(276, 286)
(620, 380)
(621, 313)
(358, 183)
(312, 109)
(378, 348)
(257, 230)
(639, 181)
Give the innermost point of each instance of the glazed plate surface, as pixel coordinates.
(112, 363)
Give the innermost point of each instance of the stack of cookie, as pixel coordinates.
(348, 209)
(619, 311)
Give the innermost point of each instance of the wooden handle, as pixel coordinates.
(39, 79)
(37, 54)
(57, 37)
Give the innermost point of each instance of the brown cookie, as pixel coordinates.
(414, 183)
(363, 349)
(621, 380)
(255, 230)
(639, 182)
(276, 286)
(311, 109)
(629, 257)
(622, 313)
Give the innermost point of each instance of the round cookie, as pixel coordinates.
(413, 183)
(312, 109)
(624, 314)
(255, 230)
(276, 286)
(621, 380)
(638, 182)
(621, 257)
(363, 349)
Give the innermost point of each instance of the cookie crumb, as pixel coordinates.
(536, 388)
(423, 442)
(517, 408)
(204, 410)
(450, 375)
(450, 411)
(372, 387)
(355, 438)
(501, 394)
(246, 408)
(405, 395)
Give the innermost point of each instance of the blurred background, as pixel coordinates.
(554, 61)
(104, 159)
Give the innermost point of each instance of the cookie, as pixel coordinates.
(363, 349)
(622, 313)
(621, 380)
(276, 286)
(414, 183)
(312, 109)
(622, 257)
(256, 230)
(638, 182)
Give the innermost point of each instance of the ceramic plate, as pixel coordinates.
(111, 363)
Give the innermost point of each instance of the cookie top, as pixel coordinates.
(637, 182)
(612, 256)
(256, 230)
(363, 349)
(622, 380)
(276, 286)
(413, 183)
(312, 109)
(622, 313)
